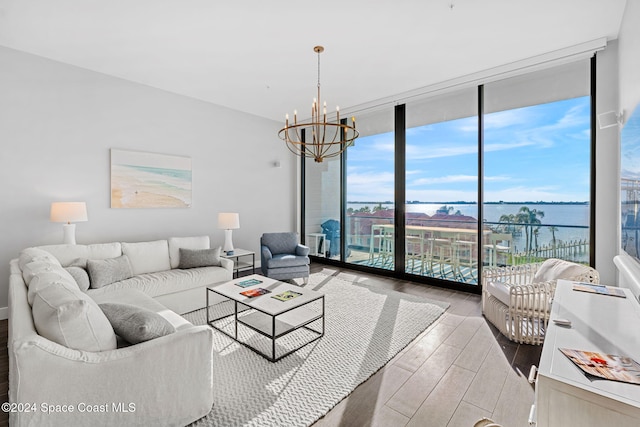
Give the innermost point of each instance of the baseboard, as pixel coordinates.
(4, 313)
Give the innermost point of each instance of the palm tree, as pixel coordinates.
(529, 217)
(510, 219)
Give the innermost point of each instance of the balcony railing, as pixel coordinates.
(448, 247)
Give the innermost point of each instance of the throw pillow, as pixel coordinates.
(192, 258)
(106, 271)
(175, 243)
(554, 269)
(81, 277)
(72, 319)
(136, 324)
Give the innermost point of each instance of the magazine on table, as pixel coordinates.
(606, 366)
(599, 289)
(248, 282)
(286, 295)
(255, 292)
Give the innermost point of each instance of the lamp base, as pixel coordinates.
(228, 242)
(69, 234)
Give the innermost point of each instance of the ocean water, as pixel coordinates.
(571, 220)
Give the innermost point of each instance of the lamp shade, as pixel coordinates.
(68, 212)
(228, 221)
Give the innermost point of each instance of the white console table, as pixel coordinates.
(564, 395)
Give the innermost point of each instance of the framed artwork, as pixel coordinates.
(149, 180)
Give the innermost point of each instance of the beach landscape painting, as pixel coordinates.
(149, 180)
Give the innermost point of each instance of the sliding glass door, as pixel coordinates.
(443, 185)
(441, 181)
(370, 182)
(537, 166)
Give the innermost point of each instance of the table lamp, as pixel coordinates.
(69, 212)
(227, 222)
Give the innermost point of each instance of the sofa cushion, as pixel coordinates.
(175, 243)
(67, 254)
(139, 299)
(36, 267)
(106, 271)
(136, 324)
(199, 258)
(147, 257)
(46, 278)
(72, 319)
(554, 269)
(287, 260)
(170, 281)
(35, 254)
(500, 290)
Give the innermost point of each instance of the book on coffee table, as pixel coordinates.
(255, 292)
(286, 295)
(248, 282)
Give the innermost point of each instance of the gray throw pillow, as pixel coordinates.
(136, 324)
(106, 271)
(192, 258)
(81, 277)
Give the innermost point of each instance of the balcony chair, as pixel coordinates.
(517, 299)
(501, 244)
(283, 258)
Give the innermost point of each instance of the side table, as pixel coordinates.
(241, 265)
(318, 245)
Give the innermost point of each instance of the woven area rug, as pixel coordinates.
(364, 329)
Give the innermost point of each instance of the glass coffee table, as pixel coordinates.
(286, 318)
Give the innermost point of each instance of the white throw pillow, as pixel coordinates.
(554, 269)
(72, 319)
(175, 243)
(147, 257)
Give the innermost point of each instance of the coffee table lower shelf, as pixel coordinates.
(271, 326)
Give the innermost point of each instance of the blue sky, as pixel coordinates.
(537, 153)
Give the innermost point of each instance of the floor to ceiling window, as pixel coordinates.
(441, 181)
(370, 181)
(489, 175)
(322, 207)
(537, 166)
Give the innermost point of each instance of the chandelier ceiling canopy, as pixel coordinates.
(319, 138)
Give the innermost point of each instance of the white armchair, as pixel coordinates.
(517, 299)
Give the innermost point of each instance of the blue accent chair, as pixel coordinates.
(283, 258)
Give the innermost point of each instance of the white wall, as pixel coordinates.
(57, 124)
(607, 166)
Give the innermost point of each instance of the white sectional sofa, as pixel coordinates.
(69, 359)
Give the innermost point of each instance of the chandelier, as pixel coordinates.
(318, 139)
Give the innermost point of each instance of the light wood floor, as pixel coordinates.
(457, 371)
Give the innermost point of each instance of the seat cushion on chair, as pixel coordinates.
(500, 290)
(287, 260)
(280, 243)
(554, 269)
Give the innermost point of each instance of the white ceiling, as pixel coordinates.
(257, 56)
